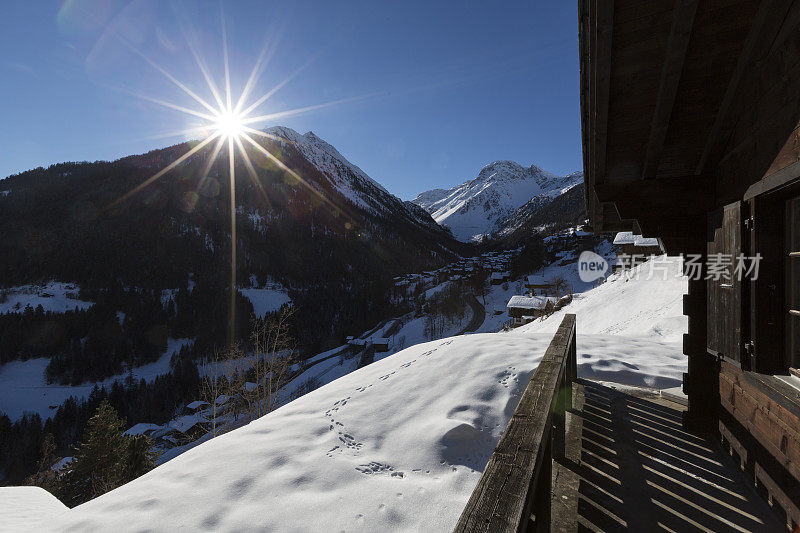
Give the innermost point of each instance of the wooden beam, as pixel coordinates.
(690, 194)
(603, 30)
(772, 10)
(679, 36)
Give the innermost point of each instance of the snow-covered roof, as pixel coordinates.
(645, 241)
(141, 428)
(625, 237)
(222, 399)
(534, 279)
(628, 237)
(380, 340)
(528, 302)
(197, 404)
(185, 423)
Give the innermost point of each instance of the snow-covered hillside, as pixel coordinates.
(629, 304)
(396, 446)
(400, 443)
(23, 388)
(478, 207)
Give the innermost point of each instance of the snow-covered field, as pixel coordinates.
(410, 333)
(56, 296)
(23, 388)
(398, 444)
(266, 299)
(629, 304)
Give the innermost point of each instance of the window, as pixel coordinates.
(793, 280)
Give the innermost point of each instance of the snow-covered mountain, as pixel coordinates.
(544, 214)
(479, 206)
(352, 183)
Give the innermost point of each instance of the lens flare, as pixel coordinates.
(229, 125)
(226, 119)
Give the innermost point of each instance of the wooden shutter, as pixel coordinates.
(725, 294)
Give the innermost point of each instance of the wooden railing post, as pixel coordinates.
(514, 492)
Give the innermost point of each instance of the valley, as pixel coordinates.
(363, 274)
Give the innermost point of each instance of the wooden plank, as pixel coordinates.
(679, 36)
(766, 111)
(768, 409)
(776, 494)
(505, 493)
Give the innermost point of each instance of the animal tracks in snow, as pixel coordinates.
(507, 375)
(348, 442)
(375, 467)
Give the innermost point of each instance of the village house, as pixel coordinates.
(381, 344)
(524, 309)
(500, 277)
(142, 428)
(536, 284)
(195, 407)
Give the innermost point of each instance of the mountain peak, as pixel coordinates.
(476, 207)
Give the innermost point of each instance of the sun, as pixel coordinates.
(229, 125)
(227, 119)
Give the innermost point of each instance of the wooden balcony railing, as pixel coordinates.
(513, 493)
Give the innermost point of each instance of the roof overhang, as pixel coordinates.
(684, 105)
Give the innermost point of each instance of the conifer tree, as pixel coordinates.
(99, 461)
(140, 457)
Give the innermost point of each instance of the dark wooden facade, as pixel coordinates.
(690, 113)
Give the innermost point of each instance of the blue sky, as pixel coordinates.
(436, 89)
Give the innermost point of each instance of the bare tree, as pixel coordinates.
(215, 383)
(268, 364)
(559, 285)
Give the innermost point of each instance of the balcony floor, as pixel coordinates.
(630, 466)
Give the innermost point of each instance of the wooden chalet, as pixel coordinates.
(524, 309)
(690, 112)
(381, 344)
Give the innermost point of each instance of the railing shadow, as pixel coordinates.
(639, 470)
